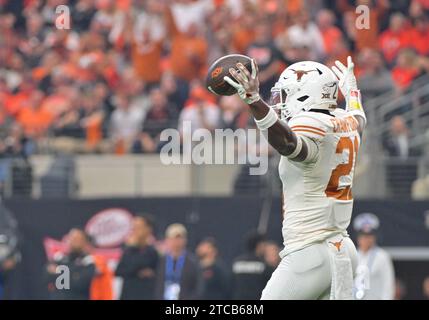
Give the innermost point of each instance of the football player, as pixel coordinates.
(318, 144)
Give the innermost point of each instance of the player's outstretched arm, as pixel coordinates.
(279, 134)
(350, 91)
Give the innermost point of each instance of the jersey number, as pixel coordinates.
(334, 190)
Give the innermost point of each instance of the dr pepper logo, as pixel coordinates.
(110, 227)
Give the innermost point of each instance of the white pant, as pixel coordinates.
(305, 274)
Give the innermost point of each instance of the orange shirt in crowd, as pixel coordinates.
(242, 38)
(102, 284)
(111, 76)
(420, 41)
(71, 70)
(423, 3)
(14, 103)
(147, 61)
(218, 3)
(55, 104)
(403, 77)
(39, 73)
(293, 6)
(188, 56)
(123, 5)
(34, 120)
(93, 130)
(368, 38)
(330, 37)
(391, 42)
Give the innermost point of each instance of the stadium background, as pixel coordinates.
(81, 110)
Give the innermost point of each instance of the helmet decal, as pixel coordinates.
(301, 73)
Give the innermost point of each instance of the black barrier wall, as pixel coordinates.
(227, 219)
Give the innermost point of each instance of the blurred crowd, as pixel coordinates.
(170, 270)
(127, 69)
(170, 266)
(162, 270)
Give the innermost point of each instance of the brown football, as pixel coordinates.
(220, 68)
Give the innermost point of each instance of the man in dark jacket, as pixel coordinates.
(139, 262)
(215, 277)
(179, 275)
(81, 267)
(250, 271)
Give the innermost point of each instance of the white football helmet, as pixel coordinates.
(303, 86)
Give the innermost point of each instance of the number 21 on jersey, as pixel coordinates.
(344, 171)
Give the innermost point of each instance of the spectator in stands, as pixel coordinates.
(189, 12)
(161, 115)
(188, 53)
(16, 144)
(374, 78)
(340, 51)
(330, 33)
(89, 275)
(304, 33)
(267, 56)
(105, 17)
(367, 35)
(91, 118)
(199, 112)
(419, 35)
(215, 277)
(109, 38)
(126, 124)
(408, 67)
(139, 262)
(243, 33)
(234, 114)
(149, 32)
(179, 275)
(349, 28)
(373, 259)
(397, 144)
(395, 38)
(136, 89)
(34, 119)
(418, 7)
(221, 45)
(80, 124)
(82, 15)
(250, 272)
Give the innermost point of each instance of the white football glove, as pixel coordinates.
(346, 77)
(349, 89)
(247, 84)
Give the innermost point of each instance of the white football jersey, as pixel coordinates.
(317, 197)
